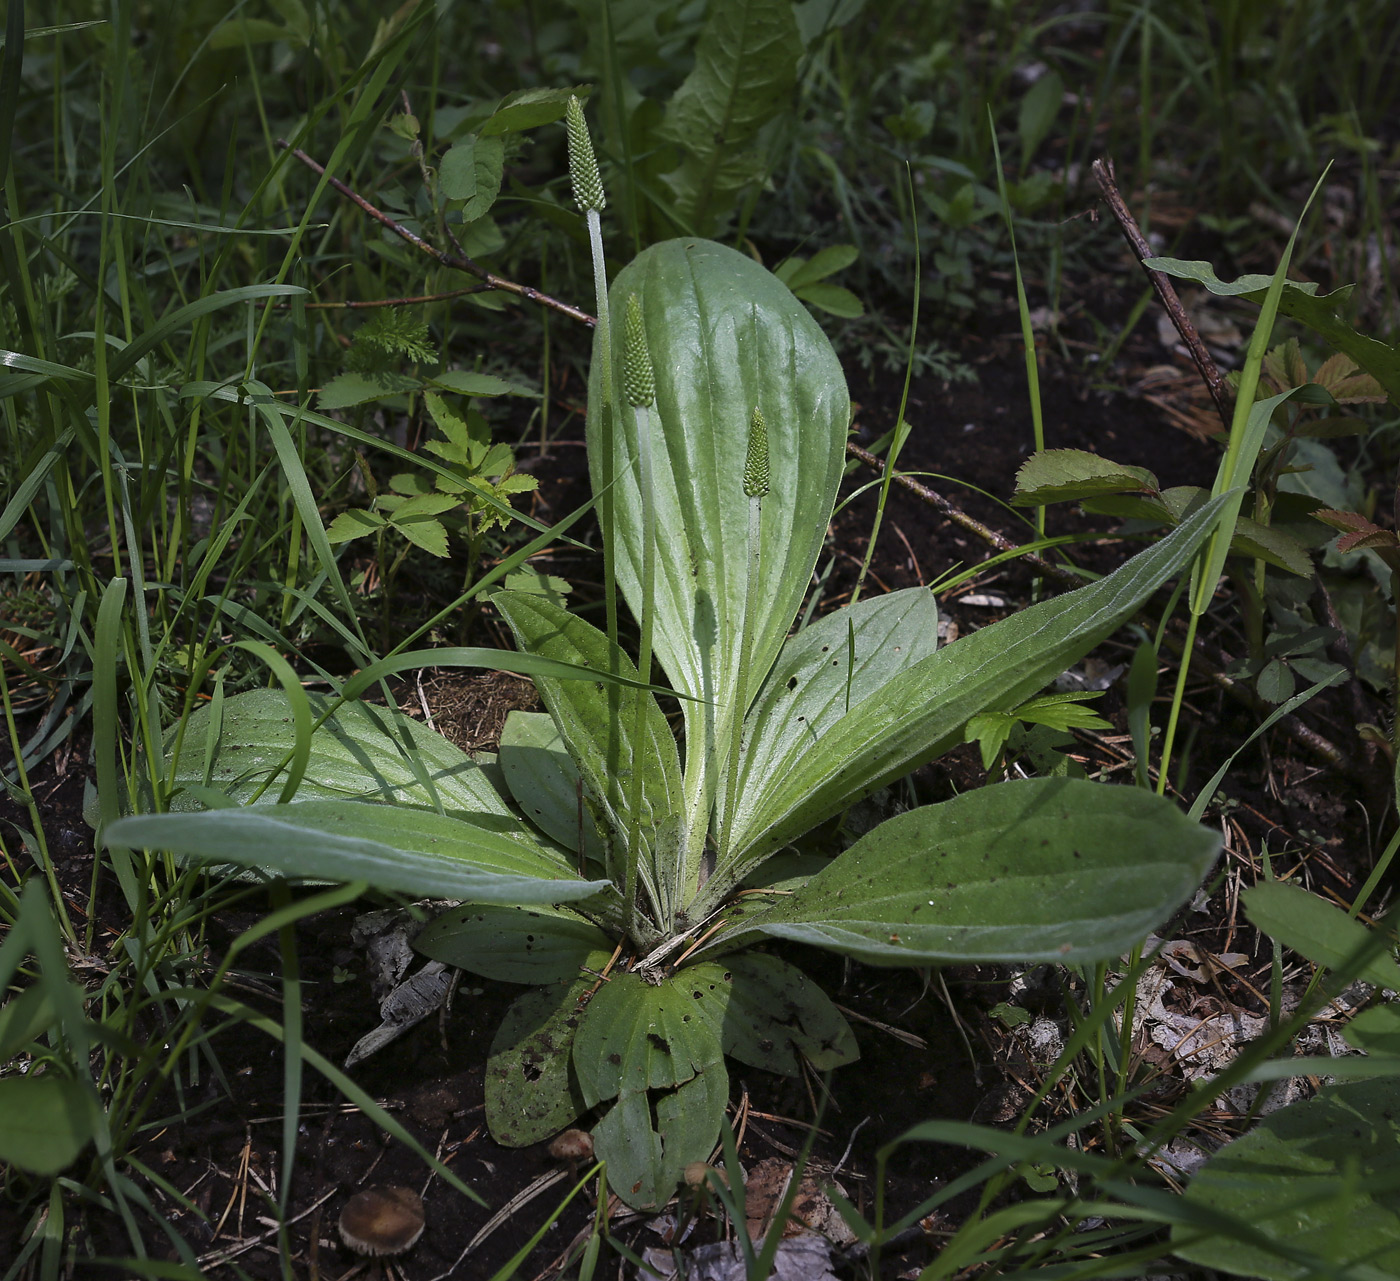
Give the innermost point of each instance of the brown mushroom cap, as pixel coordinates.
(572, 1145)
(382, 1221)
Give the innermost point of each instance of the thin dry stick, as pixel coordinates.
(1166, 291)
(970, 523)
(365, 304)
(458, 262)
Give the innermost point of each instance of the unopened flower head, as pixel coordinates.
(756, 462)
(583, 165)
(638, 377)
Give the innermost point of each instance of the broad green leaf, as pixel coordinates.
(355, 523)
(1069, 475)
(816, 17)
(599, 742)
(645, 1164)
(1376, 1030)
(44, 1123)
(515, 944)
(23, 1018)
(1315, 929)
(530, 1090)
(796, 272)
(835, 300)
(812, 683)
(471, 172)
(768, 1012)
(626, 1139)
(1040, 870)
(545, 782)
(1301, 301)
(638, 1036)
(744, 74)
(921, 711)
(1320, 1178)
(528, 109)
(725, 336)
(1039, 108)
(485, 860)
(361, 752)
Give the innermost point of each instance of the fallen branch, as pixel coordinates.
(1166, 291)
(457, 261)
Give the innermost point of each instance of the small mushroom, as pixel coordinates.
(382, 1222)
(572, 1146)
(697, 1171)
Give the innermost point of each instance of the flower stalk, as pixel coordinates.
(755, 488)
(639, 390)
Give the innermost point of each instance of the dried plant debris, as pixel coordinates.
(801, 1258)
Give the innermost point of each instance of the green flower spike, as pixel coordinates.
(638, 377)
(756, 461)
(583, 166)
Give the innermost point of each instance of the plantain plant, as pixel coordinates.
(631, 877)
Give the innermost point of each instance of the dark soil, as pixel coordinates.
(225, 1161)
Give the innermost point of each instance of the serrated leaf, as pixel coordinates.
(347, 390)
(355, 523)
(1069, 475)
(467, 382)
(1034, 870)
(990, 732)
(1275, 682)
(745, 71)
(1317, 1181)
(471, 172)
(530, 1090)
(1315, 929)
(1301, 301)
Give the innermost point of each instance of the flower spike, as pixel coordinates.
(756, 462)
(583, 165)
(638, 376)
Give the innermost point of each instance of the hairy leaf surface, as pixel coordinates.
(813, 684)
(1041, 870)
(600, 741)
(361, 752)
(545, 782)
(530, 1090)
(515, 944)
(725, 337)
(921, 711)
(487, 860)
(1318, 1180)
